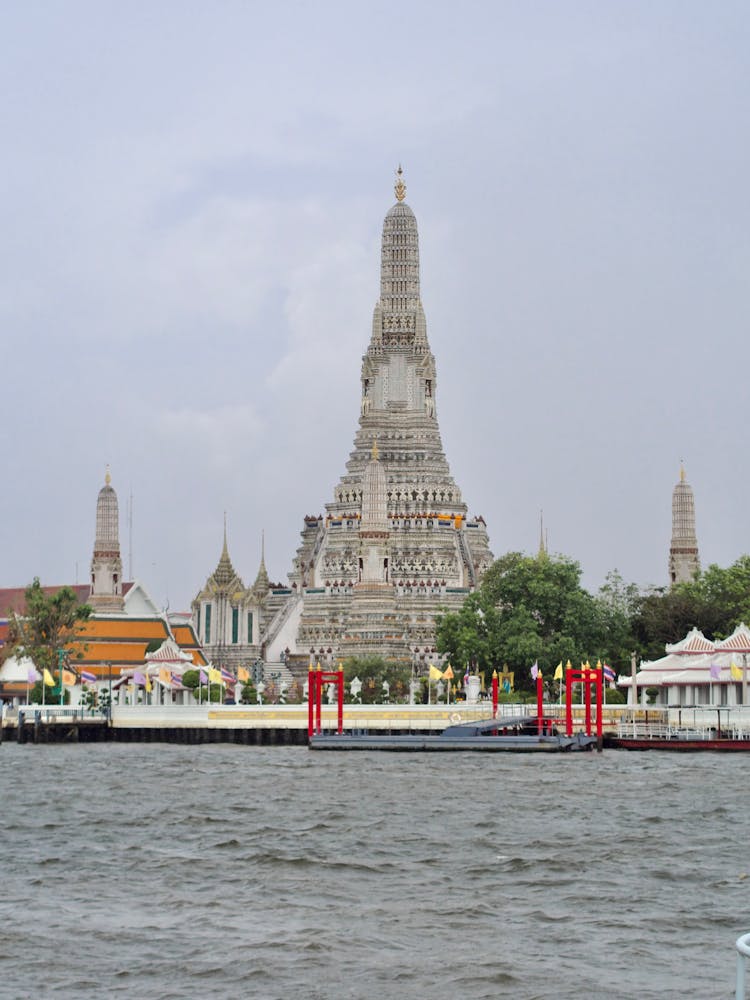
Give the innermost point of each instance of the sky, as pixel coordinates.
(191, 211)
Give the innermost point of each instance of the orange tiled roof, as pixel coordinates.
(119, 652)
(137, 629)
(186, 639)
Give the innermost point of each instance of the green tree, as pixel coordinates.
(38, 696)
(617, 603)
(48, 631)
(716, 601)
(528, 609)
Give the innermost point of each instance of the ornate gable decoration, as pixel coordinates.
(694, 643)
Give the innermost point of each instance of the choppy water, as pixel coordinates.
(218, 871)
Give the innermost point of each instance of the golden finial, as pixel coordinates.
(682, 472)
(400, 187)
(107, 477)
(375, 452)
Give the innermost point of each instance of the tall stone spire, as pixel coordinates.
(684, 562)
(396, 544)
(106, 565)
(261, 580)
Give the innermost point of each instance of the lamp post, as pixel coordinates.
(109, 707)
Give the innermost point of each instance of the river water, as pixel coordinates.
(160, 871)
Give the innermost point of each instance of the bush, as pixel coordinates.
(248, 694)
(615, 697)
(191, 679)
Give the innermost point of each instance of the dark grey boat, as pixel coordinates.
(516, 735)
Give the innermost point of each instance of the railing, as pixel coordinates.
(53, 713)
(281, 618)
(666, 731)
(743, 953)
(466, 555)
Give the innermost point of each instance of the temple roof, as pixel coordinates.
(737, 642)
(693, 643)
(225, 578)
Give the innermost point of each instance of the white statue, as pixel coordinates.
(355, 689)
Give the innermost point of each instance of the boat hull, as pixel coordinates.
(437, 744)
(677, 745)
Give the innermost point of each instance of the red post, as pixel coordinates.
(569, 702)
(495, 685)
(340, 698)
(310, 700)
(587, 678)
(319, 701)
(599, 699)
(539, 704)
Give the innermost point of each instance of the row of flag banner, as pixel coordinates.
(605, 668)
(715, 669)
(166, 676)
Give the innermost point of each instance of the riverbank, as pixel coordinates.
(262, 725)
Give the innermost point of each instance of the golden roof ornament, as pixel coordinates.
(107, 477)
(375, 452)
(399, 187)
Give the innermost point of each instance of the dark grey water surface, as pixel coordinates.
(157, 871)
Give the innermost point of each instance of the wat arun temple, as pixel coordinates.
(396, 545)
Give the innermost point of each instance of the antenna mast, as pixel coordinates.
(130, 534)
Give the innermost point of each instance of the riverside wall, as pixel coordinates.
(268, 724)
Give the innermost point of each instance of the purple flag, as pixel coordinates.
(139, 679)
(202, 677)
(32, 677)
(715, 671)
(535, 671)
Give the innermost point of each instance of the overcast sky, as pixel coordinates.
(192, 197)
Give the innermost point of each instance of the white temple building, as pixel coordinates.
(697, 671)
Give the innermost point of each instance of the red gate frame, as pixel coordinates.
(316, 680)
(586, 676)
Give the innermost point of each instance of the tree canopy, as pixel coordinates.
(531, 609)
(716, 601)
(48, 626)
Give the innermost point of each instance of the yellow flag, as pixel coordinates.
(149, 685)
(48, 679)
(242, 674)
(558, 672)
(164, 675)
(435, 674)
(214, 676)
(448, 673)
(735, 672)
(68, 678)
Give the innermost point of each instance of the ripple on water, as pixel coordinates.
(275, 871)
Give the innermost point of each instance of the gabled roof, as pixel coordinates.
(737, 642)
(169, 652)
(693, 643)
